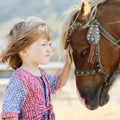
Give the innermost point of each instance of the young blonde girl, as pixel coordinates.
(28, 94)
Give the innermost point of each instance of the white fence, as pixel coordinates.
(51, 65)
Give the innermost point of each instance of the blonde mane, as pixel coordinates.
(69, 17)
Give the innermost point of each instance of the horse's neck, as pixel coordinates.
(109, 11)
(110, 5)
(108, 14)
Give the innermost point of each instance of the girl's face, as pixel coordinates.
(39, 52)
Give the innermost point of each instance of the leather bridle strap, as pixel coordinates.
(107, 35)
(112, 77)
(110, 38)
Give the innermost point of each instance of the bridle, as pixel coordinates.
(93, 37)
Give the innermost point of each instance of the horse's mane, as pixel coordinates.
(69, 17)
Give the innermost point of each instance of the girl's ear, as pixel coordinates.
(23, 53)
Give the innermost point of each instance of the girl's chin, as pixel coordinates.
(45, 63)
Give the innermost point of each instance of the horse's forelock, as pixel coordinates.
(69, 16)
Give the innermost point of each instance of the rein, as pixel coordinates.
(93, 38)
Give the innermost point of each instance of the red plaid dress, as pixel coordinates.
(27, 99)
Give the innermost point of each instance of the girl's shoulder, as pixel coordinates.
(25, 77)
(19, 73)
(15, 80)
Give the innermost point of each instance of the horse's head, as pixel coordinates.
(96, 59)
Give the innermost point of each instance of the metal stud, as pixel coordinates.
(87, 72)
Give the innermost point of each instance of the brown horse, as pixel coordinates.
(93, 31)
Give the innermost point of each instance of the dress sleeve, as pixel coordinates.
(13, 99)
(54, 82)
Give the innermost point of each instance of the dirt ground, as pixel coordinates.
(68, 107)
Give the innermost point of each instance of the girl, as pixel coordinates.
(28, 94)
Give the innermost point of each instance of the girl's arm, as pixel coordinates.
(66, 69)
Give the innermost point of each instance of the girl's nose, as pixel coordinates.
(49, 49)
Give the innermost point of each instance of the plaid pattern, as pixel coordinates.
(28, 97)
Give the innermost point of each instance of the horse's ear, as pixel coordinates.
(85, 10)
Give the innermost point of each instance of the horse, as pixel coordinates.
(93, 32)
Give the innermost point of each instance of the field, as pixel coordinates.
(68, 107)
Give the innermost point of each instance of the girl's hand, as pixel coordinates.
(66, 69)
(68, 55)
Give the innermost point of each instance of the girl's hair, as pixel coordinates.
(22, 35)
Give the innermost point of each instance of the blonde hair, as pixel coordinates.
(22, 35)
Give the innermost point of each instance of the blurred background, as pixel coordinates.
(66, 102)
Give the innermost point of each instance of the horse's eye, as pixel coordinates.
(84, 52)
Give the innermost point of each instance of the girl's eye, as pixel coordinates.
(43, 44)
(50, 44)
